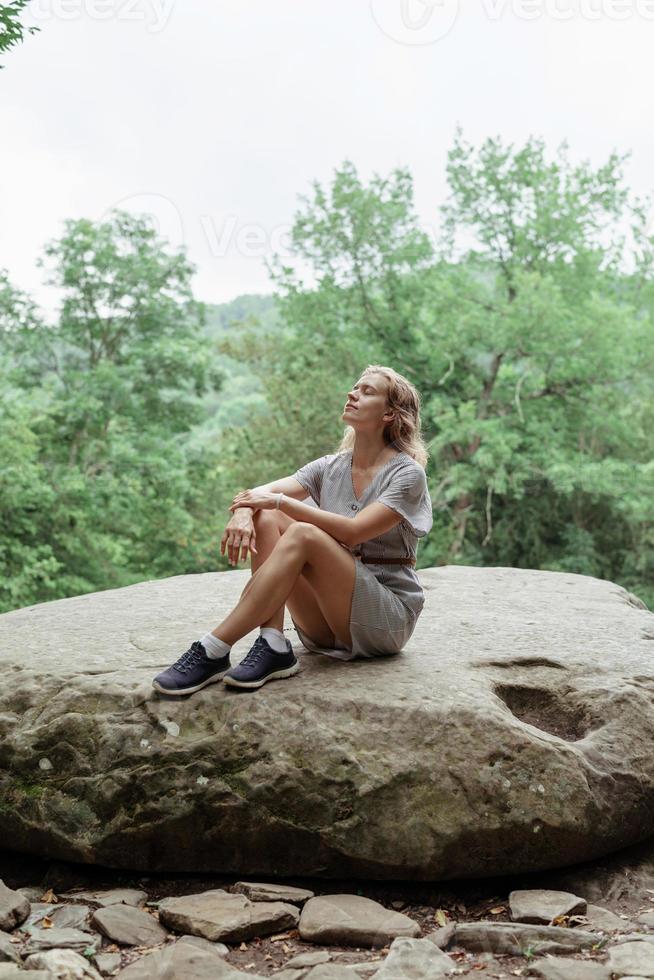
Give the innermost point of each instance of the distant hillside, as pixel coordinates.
(240, 399)
(251, 309)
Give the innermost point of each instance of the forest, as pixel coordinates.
(525, 318)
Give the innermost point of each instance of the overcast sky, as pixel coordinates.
(214, 115)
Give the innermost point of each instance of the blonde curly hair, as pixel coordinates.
(404, 432)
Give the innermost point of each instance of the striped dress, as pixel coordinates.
(387, 599)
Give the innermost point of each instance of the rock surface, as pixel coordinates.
(542, 905)
(220, 915)
(515, 937)
(417, 959)
(43, 939)
(182, 961)
(562, 968)
(352, 920)
(521, 734)
(129, 926)
(635, 958)
(110, 896)
(258, 891)
(14, 907)
(65, 964)
(8, 951)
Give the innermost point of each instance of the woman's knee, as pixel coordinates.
(267, 520)
(301, 532)
(270, 519)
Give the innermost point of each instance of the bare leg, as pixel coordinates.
(268, 534)
(331, 567)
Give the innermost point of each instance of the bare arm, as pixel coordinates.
(373, 520)
(239, 535)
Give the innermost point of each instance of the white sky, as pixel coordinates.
(214, 115)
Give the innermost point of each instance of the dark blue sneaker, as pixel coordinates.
(262, 664)
(192, 671)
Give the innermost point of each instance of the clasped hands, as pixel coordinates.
(240, 535)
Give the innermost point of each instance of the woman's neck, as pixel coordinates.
(367, 455)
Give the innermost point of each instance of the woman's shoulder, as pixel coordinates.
(409, 465)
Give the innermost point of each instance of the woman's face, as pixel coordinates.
(367, 403)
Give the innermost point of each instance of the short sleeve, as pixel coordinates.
(407, 494)
(310, 476)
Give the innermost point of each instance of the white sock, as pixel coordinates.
(275, 639)
(216, 649)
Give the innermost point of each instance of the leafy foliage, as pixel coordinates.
(12, 31)
(102, 403)
(527, 326)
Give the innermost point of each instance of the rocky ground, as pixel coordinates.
(590, 921)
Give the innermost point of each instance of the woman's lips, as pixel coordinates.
(349, 405)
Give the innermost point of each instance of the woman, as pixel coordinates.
(344, 564)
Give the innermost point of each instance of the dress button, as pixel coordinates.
(354, 507)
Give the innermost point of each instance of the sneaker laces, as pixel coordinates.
(259, 648)
(187, 660)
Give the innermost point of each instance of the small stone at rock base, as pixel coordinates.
(361, 969)
(443, 936)
(62, 916)
(107, 962)
(561, 968)
(182, 960)
(14, 908)
(39, 909)
(514, 938)
(65, 964)
(110, 896)
(543, 904)
(599, 918)
(419, 959)
(9, 971)
(129, 926)
(8, 951)
(219, 915)
(330, 971)
(312, 958)
(42, 939)
(218, 949)
(352, 920)
(629, 937)
(299, 974)
(632, 957)
(258, 891)
(32, 893)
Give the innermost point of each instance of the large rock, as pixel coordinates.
(513, 734)
(219, 915)
(515, 937)
(414, 959)
(181, 961)
(14, 907)
(352, 920)
(129, 926)
(65, 964)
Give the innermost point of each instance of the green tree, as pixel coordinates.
(527, 327)
(12, 31)
(111, 393)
